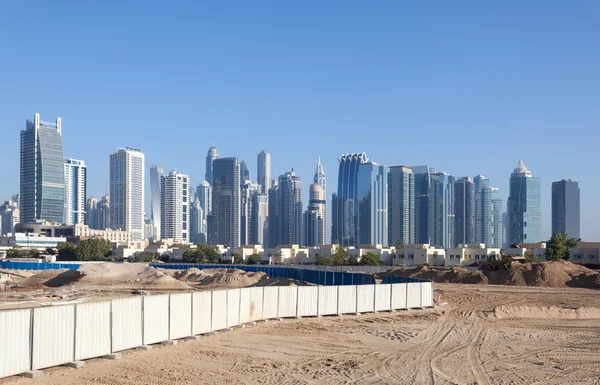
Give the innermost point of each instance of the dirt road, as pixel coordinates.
(486, 335)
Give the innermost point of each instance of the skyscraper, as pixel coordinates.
(483, 210)
(156, 173)
(204, 195)
(224, 221)
(273, 229)
(249, 222)
(566, 208)
(211, 156)
(464, 211)
(9, 217)
(127, 191)
(344, 225)
(263, 171)
(98, 213)
(314, 217)
(372, 195)
(75, 191)
(524, 207)
(401, 205)
(42, 171)
(441, 210)
(261, 208)
(197, 223)
(422, 188)
(496, 237)
(244, 172)
(289, 213)
(319, 178)
(175, 206)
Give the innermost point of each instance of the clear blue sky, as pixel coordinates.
(468, 86)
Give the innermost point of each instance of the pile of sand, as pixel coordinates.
(546, 274)
(453, 275)
(546, 312)
(231, 278)
(127, 274)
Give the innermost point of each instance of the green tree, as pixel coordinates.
(340, 256)
(558, 246)
(51, 251)
(324, 260)
(399, 245)
(254, 259)
(66, 252)
(93, 250)
(202, 253)
(16, 252)
(371, 259)
(353, 261)
(277, 257)
(237, 259)
(144, 256)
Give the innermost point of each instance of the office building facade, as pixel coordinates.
(42, 179)
(127, 191)
(464, 211)
(175, 206)
(314, 217)
(483, 210)
(372, 199)
(249, 220)
(524, 207)
(225, 217)
(156, 173)
(566, 208)
(496, 233)
(211, 156)
(263, 171)
(441, 210)
(75, 191)
(401, 205)
(422, 176)
(289, 210)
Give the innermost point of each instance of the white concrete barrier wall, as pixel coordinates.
(427, 294)
(271, 295)
(53, 336)
(328, 301)
(413, 295)
(156, 319)
(288, 297)
(366, 298)
(202, 312)
(346, 299)
(219, 310)
(180, 313)
(308, 301)
(383, 297)
(256, 303)
(15, 331)
(233, 307)
(399, 296)
(92, 330)
(245, 305)
(126, 323)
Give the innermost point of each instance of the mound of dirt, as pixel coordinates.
(546, 312)
(127, 275)
(230, 278)
(453, 275)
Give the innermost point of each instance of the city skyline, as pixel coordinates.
(246, 98)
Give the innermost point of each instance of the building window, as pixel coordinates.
(524, 224)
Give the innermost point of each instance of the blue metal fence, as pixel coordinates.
(39, 265)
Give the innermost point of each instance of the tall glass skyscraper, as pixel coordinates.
(244, 172)
(156, 173)
(524, 207)
(464, 211)
(75, 191)
(401, 205)
(204, 195)
(263, 171)
(441, 210)
(211, 156)
(224, 222)
(249, 220)
(566, 208)
(483, 210)
(127, 191)
(496, 233)
(372, 199)
(273, 229)
(422, 204)
(344, 227)
(289, 211)
(314, 217)
(42, 172)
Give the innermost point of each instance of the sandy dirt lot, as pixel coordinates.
(485, 335)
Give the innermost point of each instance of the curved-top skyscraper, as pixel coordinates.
(212, 154)
(524, 211)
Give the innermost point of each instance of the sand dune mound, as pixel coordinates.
(453, 275)
(231, 278)
(546, 312)
(127, 274)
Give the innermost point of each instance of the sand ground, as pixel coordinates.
(485, 335)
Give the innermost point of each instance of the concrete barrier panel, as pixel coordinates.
(219, 309)
(365, 298)
(126, 323)
(15, 331)
(180, 313)
(383, 297)
(346, 299)
(233, 307)
(288, 301)
(270, 302)
(308, 297)
(427, 294)
(328, 300)
(245, 305)
(413, 295)
(53, 336)
(156, 319)
(202, 312)
(92, 330)
(399, 296)
(256, 303)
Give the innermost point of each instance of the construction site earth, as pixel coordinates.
(522, 324)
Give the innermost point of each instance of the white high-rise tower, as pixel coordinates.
(156, 172)
(127, 191)
(175, 206)
(75, 191)
(264, 171)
